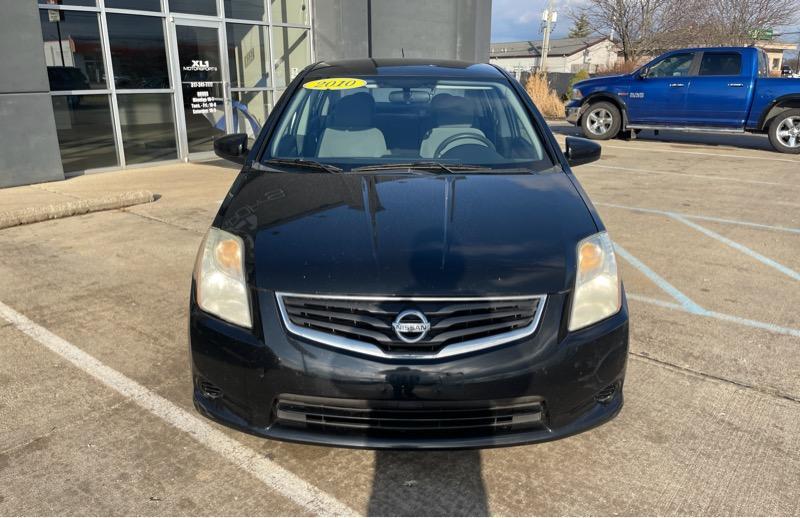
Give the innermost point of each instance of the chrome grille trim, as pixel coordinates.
(368, 349)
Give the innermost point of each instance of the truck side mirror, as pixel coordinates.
(582, 151)
(232, 147)
(642, 74)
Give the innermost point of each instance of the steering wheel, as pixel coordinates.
(465, 135)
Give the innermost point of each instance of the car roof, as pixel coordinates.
(710, 49)
(395, 67)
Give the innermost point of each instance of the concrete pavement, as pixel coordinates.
(712, 395)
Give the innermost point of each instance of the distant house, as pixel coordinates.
(565, 55)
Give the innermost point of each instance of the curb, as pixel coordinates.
(74, 208)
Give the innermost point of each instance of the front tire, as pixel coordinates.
(784, 132)
(602, 121)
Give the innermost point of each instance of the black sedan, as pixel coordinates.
(407, 261)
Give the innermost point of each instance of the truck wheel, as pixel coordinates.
(784, 132)
(602, 121)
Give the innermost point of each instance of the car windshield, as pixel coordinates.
(410, 120)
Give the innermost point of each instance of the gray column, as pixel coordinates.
(28, 142)
(340, 29)
(428, 29)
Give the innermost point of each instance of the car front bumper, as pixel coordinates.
(573, 111)
(240, 378)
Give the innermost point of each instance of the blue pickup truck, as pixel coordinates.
(720, 89)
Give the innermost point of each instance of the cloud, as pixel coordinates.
(515, 20)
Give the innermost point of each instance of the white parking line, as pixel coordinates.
(724, 155)
(726, 179)
(745, 250)
(700, 217)
(688, 305)
(271, 474)
(719, 316)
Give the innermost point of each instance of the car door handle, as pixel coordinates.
(677, 85)
(736, 85)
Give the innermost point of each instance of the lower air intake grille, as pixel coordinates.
(418, 326)
(421, 418)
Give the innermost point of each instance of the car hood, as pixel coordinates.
(407, 234)
(603, 80)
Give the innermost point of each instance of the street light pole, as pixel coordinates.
(549, 18)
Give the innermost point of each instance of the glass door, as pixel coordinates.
(198, 67)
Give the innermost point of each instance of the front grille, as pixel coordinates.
(402, 418)
(369, 324)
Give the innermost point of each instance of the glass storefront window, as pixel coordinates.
(207, 7)
(250, 111)
(291, 53)
(72, 50)
(85, 133)
(294, 12)
(248, 55)
(246, 10)
(148, 127)
(82, 3)
(138, 51)
(139, 5)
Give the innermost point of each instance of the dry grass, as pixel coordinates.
(619, 68)
(544, 97)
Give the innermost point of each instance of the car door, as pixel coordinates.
(720, 94)
(658, 94)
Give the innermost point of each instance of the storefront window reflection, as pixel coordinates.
(148, 127)
(138, 51)
(248, 55)
(72, 50)
(290, 11)
(246, 10)
(291, 53)
(207, 7)
(85, 133)
(250, 111)
(139, 5)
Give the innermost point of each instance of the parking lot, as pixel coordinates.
(96, 414)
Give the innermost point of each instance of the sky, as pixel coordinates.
(517, 20)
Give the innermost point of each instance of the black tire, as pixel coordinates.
(601, 121)
(782, 136)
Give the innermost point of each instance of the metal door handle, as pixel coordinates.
(676, 85)
(736, 85)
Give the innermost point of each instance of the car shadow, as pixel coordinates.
(428, 484)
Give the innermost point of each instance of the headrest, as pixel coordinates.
(353, 112)
(450, 110)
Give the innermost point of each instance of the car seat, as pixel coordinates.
(351, 130)
(451, 115)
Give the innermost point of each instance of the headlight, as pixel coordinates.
(219, 278)
(597, 289)
(576, 94)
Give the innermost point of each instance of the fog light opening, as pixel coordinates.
(607, 394)
(210, 390)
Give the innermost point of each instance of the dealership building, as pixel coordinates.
(98, 85)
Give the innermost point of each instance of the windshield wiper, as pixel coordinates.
(424, 166)
(305, 164)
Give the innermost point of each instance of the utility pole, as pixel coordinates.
(549, 17)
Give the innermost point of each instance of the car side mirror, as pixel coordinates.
(582, 151)
(232, 147)
(642, 74)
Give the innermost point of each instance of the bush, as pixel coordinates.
(544, 97)
(580, 75)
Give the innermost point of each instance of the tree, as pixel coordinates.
(637, 23)
(580, 28)
(646, 27)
